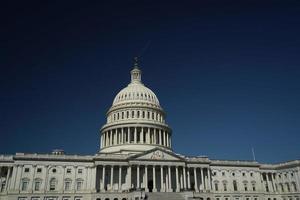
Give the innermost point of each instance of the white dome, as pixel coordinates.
(137, 93)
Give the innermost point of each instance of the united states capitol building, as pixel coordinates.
(136, 161)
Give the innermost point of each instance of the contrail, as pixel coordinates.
(145, 49)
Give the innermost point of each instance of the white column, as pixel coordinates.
(170, 183)
(167, 181)
(129, 176)
(184, 178)
(115, 137)
(195, 177)
(177, 180)
(46, 177)
(122, 135)
(160, 136)
(202, 179)
(165, 142)
(7, 178)
(146, 178)
(0, 179)
(189, 178)
(268, 182)
(161, 178)
(128, 135)
(111, 178)
(111, 138)
(103, 178)
(135, 135)
(148, 136)
(154, 179)
(138, 176)
(142, 135)
(120, 178)
(106, 138)
(297, 179)
(208, 177)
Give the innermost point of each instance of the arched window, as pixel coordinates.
(234, 185)
(118, 116)
(253, 186)
(52, 185)
(224, 185)
(37, 184)
(127, 114)
(294, 186)
(143, 114)
(67, 184)
(138, 114)
(24, 184)
(216, 185)
(122, 115)
(132, 114)
(79, 184)
(245, 185)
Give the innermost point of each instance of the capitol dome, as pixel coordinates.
(135, 121)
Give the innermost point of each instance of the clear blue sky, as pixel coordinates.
(226, 72)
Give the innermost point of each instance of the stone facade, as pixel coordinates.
(136, 161)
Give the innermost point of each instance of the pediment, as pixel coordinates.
(157, 154)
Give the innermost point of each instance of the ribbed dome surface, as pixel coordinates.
(136, 92)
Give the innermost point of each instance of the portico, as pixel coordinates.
(153, 171)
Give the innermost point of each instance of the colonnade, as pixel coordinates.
(280, 182)
(5, 173)
(153, 178)
(135, 135)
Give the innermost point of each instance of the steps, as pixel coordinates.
(164, 196)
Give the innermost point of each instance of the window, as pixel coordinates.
(26, 170)
(294, 186)
(225, 186)
(214, 173)
(24, 185)
(223, 173)
(67, 184)
(233, 174)
(69, 171)
(39, 170)
(37, 185)
(234, 185)
(253, 187)
(244, 174)
(79, 184)
(245, 187)
(52, 184)
(288, 187)
(267, 188)
(251, 174)
(79, 171)
(216, 186)
(54, 170)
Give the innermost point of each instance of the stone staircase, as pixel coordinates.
(164, 196)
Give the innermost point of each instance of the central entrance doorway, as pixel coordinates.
(150, 185)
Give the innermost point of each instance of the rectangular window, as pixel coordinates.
(24, 185)
(39, 170)
(37, 185)
(79, 185)
(79, 171)
(225, 187)
(67, 185)
(26, 169)
(68, 171)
